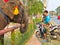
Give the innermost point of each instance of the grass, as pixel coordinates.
(20, 39)
(0, 43)
(53, 42)
(27, 35)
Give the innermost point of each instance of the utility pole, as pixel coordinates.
(44, 3)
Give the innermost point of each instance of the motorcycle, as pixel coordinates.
(54, 32)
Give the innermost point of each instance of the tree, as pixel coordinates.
(34, 7)
(58, 10)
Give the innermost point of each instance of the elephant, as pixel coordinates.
(7, 16)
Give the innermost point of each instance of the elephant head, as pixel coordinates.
(21, 17)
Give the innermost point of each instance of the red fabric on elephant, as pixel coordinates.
(6, 1)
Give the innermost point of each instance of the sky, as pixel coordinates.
(52, 4)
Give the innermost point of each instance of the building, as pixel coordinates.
(52, 13)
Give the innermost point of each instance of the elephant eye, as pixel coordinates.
(11, 5)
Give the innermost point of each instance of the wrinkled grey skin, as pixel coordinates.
(8, 8)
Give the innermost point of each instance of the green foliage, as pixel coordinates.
(0, 42)
(35, 7)
(38, 20)
(58, 10)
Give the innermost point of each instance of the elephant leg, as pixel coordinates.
(2, 39)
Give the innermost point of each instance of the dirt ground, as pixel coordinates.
(33, 41)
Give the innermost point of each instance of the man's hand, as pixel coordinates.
(43, 24)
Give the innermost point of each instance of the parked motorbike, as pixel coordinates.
(54, 32)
